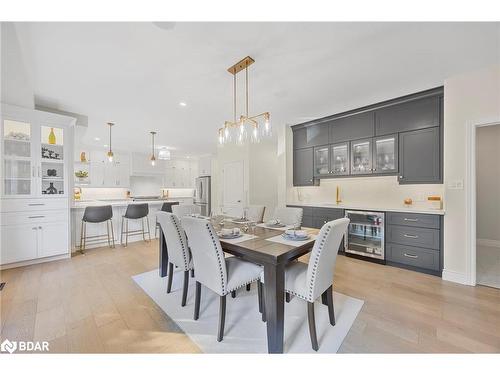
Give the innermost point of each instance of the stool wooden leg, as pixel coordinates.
(126, 234)
(82, 235)
(143, 234)
(121, 231)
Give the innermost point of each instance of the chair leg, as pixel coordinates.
(263, 303)
(222, 317)
(192, 272)
(149, 230)
(288, 297)
(259, 295)
(107, 231)
(82, 250)
(121, 231)
(329, 301)
(312, 325)
(126, 233)
(143, 233)
(112, 232)
(170, 274)
(197, 297)
(248, 287)
(233, 294)
(185, 288)
(84, 237)
(324, 301)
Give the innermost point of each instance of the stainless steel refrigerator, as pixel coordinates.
(203, 194)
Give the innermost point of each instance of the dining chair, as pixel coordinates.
(182, 210)
(178, 250)
(256, 213)
(165, 207)
(315, 279)
(289, 215)
(219, 274)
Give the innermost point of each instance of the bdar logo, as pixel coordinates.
(8, 346)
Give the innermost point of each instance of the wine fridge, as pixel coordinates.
(365, 234)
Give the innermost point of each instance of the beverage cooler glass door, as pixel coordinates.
(365, 234)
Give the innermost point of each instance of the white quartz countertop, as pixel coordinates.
(383, 208)
(117, 202)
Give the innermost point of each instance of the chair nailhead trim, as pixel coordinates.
(315, 264)
(176, 224)
(221, 271)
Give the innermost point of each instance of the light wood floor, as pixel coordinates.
(90, 304)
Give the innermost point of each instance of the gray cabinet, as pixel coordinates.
(412, 115)
(419, 157)
(303, 167)
(339, 159)
(322, 161)
(353, 127)
(361, 156)
(385, 154)
(310, 136)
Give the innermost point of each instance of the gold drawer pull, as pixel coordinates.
(410, 236)
(410, 256)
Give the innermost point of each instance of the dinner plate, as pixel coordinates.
(295, 238)
(280, 225)
(230, 236)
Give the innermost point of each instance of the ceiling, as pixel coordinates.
(136, 74)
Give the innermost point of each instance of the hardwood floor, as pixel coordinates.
(90, 304)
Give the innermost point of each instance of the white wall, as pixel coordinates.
(488, 183)
(471, 98)
(16, 86)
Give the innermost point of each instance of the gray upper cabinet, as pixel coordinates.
(339, 159)
(322, 161)
(361, 156)
(385, 154)
(419, 157)
(412, 115)
(311, 136)
(353, 127)
(303, 167)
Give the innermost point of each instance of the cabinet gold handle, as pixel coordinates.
(410, 236)
(410, 256)
(412, 220)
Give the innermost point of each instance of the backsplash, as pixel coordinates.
(383, 190)
(179, 193)
(103, 193)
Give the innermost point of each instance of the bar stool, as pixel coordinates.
(165, 207)
(96, 214)
(135, 212)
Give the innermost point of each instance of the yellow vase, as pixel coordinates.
(52, 137)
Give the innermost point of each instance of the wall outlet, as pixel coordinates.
(456, 185)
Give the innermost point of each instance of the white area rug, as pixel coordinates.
(244, 330)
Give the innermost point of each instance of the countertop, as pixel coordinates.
(117, 202)
(383, 208)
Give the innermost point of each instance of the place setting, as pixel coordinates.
(293, 237)
(234, 235)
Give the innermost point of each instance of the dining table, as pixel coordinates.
(261, 248)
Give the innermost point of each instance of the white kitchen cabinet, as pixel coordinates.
(53, 239)
(19, 243)
(205, 166)
(103, 173)
(141, 165)
(180, 173)
(36, 150)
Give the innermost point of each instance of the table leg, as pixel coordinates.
(163, 255)
(274, 291)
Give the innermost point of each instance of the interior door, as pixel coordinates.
(233, 191)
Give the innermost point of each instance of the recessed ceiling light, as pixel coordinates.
(182, 104)
(97, 139)
(105, 146)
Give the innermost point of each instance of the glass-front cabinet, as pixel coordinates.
(18, 166)
(322, 161)
(33, 158)
(361, 156)
(385, 154)
(339, 163)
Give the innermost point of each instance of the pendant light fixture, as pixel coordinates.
(164, 154)
(152, 158)
(110, 152)
(239, 131)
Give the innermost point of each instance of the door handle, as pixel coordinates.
(412, 220)
(36, 204)
(410, 256)
(410, 236)
(36, 217)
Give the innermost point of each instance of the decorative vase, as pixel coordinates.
(83, 158)
(52, 137)
(51, 189)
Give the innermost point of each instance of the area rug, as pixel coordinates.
(244, 330)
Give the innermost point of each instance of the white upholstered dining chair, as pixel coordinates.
(315, 279)
(289, 215)
(256, 213)
(219, 274)
(178, 251)
(182, 210)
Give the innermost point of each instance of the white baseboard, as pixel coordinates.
(456, 277)
(489, 243)
(34, 261)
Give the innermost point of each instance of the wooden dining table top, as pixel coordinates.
(260, 248)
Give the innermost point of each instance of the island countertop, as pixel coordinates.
(116, 202)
